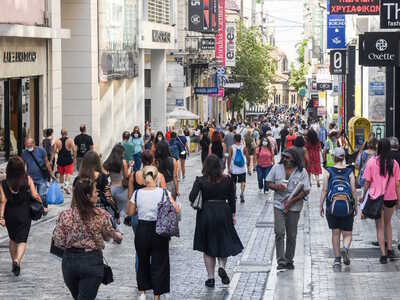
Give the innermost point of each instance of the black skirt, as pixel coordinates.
(215, 234)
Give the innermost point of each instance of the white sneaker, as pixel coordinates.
(142, 297)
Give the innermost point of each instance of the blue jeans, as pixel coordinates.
(262, 174)
(42, 187)
(137, 158)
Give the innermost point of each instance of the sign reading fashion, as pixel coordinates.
(336, 32)
(161, 36)
(207, 44)
(379, 49)
(337, 62)
(230, 45)
(19, 56)
(354, 7)
(390, 13)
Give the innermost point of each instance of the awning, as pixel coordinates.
(182, 113)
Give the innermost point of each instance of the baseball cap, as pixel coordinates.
(394, 142)
(338, 152)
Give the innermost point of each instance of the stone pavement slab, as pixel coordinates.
(41, 276)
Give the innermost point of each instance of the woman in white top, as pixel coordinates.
(144, 202)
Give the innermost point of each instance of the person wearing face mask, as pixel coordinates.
(38, 167)
(139, 148)
(290, 182)
(265, 161)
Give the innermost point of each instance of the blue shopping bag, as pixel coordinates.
(54, 194)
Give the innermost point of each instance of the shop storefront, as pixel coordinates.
(22, 79)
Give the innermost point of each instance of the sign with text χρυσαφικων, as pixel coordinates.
(354, 7)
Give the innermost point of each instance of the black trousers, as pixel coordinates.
(83, 273)
(155, 275)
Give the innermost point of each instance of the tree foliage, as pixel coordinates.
(254, 67)
(298, 75)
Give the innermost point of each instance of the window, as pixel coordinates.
(147, 110)
(147, 78)
(159, 11)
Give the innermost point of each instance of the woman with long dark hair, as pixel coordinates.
(382, 177)
(118, 169)
(16, 191)
(217, 147)
(215, 234)
(313, 147)
(81, 231)
(168, 167)
(91, 164)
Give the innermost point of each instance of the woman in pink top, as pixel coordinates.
(265, 161)
(382, 177)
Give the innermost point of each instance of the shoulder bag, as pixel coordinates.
(167, 219)
(43, 169)
(182, 153)
(373, 207)
(197, 204)
(108, 276)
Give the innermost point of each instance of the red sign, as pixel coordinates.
(354, 7)
(220, 40)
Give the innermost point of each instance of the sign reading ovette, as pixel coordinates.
(379, 49)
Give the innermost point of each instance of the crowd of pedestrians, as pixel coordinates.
(143, 172)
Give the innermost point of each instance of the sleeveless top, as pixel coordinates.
(64, 155)
(235, 169)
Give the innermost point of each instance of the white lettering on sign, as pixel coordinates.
(195, 2)
(337, 60)
(396, 10)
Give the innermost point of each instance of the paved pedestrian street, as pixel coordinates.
(253, 273)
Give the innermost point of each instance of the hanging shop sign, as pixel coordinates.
(205, 90)
(390, 14)
(220, 41)
(336, 32)
(203, 16)
(324, 86)
(118, 48)
(230, 53)
(379, 49)
(337, 62)
(354, 7)
(207, 44)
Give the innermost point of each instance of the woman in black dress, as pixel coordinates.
(215, 234)
(16, 193)
(204, 144)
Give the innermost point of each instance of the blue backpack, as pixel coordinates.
(239, 158)
(339, 199)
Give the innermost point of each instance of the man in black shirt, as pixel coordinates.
(83, 144)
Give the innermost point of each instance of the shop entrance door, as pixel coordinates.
(20, 114)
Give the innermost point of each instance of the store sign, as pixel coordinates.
(379, 49)
(196, 16)
(324, 86)
(205, 90)
(19, 56)
(354, 7)
(207, 44)
(180, 102)
(118, 48)
(230, 58)
(377, 89)
(390, 13)
(337, 62)
(161, 36)
(336, 32)
(314, 100)
(220, 40)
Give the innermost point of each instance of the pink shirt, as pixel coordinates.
(264, 157)
(378, 183)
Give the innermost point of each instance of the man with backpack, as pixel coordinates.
(83, 143)
(237, 164)
(339, 192)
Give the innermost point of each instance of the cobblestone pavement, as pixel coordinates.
(314, 277)
(41, 276)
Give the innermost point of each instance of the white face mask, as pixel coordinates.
(30, 149)
(135, 135)
(160, 138)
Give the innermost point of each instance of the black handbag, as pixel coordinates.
(373, 207)
(57, 251)
(37, 209)
(108, 276)
(197, 204)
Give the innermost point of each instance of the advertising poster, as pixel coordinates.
(195, 14)
(118, 52)
(336, 32)
(377, 95)
(230, 45)
(220, 40)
